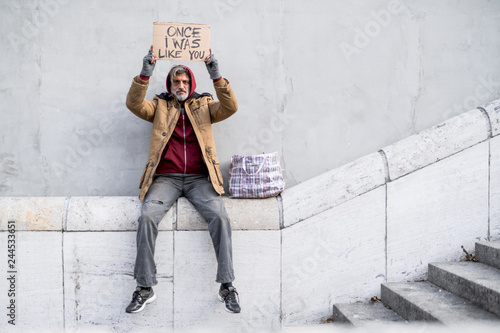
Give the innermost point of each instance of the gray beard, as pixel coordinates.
(181, 98)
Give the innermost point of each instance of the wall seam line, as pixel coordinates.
(174, 230)
(488, 121)
(66, 213)
(281, 212)
(280, 200)
(386, 232)
(63, 232)
(281, 278)
(490, 135)
(489, 191)
(63, 278)
(385, 161)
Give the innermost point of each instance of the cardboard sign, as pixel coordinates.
(181, 41)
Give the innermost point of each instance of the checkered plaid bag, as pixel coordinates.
(255, 176)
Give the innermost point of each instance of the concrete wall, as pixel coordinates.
(75, 258)
(322, 83)
(329, 240)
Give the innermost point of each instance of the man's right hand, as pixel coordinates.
(148, 63)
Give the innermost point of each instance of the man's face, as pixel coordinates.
(181, 86)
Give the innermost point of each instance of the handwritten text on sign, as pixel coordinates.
(181, 41)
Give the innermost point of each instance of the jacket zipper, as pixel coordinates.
(185, 146)
(163, 146)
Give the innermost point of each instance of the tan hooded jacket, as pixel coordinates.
(164, 111)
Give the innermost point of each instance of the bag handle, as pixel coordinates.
(258, 170)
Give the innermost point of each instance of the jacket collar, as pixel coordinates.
(166, 96)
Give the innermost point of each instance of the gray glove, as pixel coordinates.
(213, 68)
(147, 66)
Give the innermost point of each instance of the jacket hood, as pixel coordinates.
(192, 85)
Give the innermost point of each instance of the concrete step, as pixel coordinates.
(476, 282)
(394, 328)
(316, 328)
(362, 314)
(488, 253)
(424, 301)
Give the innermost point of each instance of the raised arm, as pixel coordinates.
(136, 102)
(226, 105)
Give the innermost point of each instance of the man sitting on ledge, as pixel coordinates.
(182, 162)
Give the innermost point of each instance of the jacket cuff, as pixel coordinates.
(144, 78)
(221, 83)
(138, 80)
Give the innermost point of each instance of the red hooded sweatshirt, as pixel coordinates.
(182, 153)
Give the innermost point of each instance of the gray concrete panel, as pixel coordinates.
(432, 212)
(256, 256)
(318, 257)
(34, 282)
(98, 282)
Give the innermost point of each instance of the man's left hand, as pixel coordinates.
(212, 66)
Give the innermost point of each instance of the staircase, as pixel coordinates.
(456, 293)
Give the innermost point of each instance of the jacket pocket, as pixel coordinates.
(217, 172)
(197, 117)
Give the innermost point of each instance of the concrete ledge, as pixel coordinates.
(108, 214)
(245, 214)
(122, 213)
(33, 213)
(332, 188)
(436, 143)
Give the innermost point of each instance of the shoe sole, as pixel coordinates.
(149, 300)
(225, 308)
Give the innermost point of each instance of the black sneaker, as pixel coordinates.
(230, 297)
(140, 298)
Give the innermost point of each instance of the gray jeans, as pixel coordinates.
(162, 194)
